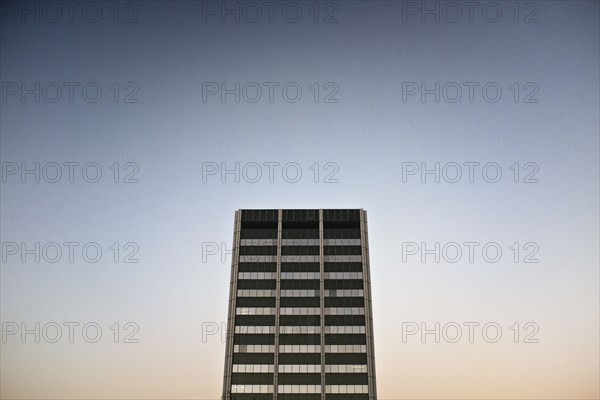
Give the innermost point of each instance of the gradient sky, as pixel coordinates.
(369, 133)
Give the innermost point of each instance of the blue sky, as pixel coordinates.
(362, 61)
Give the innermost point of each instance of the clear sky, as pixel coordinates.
(369, 120)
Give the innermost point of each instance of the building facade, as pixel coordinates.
(300, 320)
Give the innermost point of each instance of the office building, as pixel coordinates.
(300, 319)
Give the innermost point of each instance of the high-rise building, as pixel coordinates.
(300, 321)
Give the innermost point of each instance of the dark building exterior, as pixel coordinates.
(300, 320)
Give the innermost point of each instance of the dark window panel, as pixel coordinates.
(253, 339)
(300, 267)
(255, 233)
(300, 233)
(299, 250)
(299, 320)
(253, 358)
(341, 215)
(344, 302)
(345, 358)
(299, 379)
(343, 284)
(297, 396)
(342, 233)
(344, 320)
(343, 267)
(338, 396)
(258, 251)
(255, 320)
(255, 302)
(257, 267)
(251, 396)
(298, 358)
(270, 284)
(259, 215)
(344, 339)
(300, 339)
(342, 250)
(346, 379)
(300, 302)
(300, 215)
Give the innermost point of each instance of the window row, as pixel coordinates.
(344, 311)
(300, 242)
(292, 237)
(301, 258)
(255, 311)
(300, 311)
(254, 258)
(303, 348)
(346, 369)
(349, 348)
(257, 275)
(299, 348)
(342, 242)
(252, 378)
(300, 275)
(299, 388)
(258, 242)
(300, 293)
(343, 292)
(253, 348)
(300, 369)
(342, 258)
(255, 329)
(349, 389)
(253, 368)
(252, 388)
(300, 330)
(255, 292)
(343, 275)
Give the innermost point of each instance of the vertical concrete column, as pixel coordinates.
(231, 311)
(277, 303)
(322, 301)
(368, 305)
